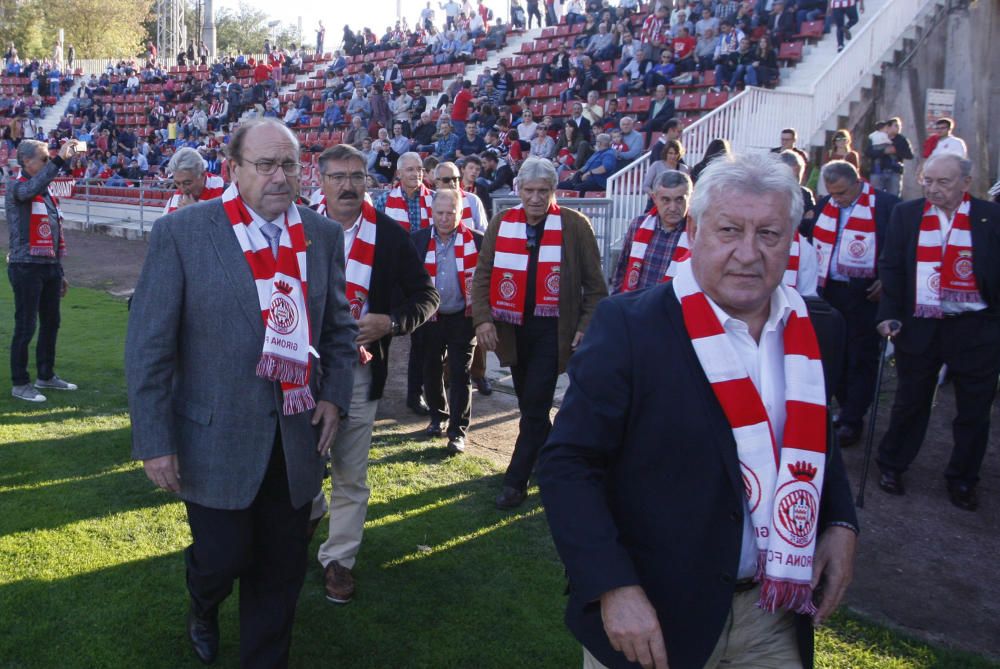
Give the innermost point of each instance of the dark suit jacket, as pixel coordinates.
(898, 268)
(667, 112)
(641, 481)
(399, 287)
(195, 335)
(884, 203)
(422, 238)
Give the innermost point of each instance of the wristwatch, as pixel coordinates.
(394, 325)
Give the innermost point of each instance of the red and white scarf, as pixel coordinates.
(467, 219)
(466, 257)
(281, 290)
(509, 280)
(213, 189)
(944, 266)
(398, 210)
(858, 252)
(640, 245)
(782, 485)
(40, 228)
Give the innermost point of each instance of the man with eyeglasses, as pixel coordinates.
(381, 263)
(940, 303)
(473, 215)
(239, 360)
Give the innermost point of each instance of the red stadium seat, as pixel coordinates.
(790, 51)
(689, 102)
(811, 30)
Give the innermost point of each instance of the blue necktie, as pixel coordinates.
(273, 234)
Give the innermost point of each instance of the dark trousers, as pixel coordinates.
(264, 546)
(535, 376)
(450, 337)
(415, 365)
(839, 15)
(856, 389)
(36, 289)
(970, 346)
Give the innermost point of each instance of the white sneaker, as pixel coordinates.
(27, 393)
(55, 383)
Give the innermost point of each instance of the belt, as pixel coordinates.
(745, 585)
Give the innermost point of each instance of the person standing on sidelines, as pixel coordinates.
(34, 266)
(940, 271)
(390, 294)
(849, 232)
(450, 250)
(536, 286)
(239, 360)
(194, 184)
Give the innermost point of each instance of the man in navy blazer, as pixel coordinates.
(856, 298)
(641, 477)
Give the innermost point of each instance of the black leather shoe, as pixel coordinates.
(963, 496)
(510, 498)
(203, 631)
(417, 405)
(848, 435)
(456, 445)
(484, 386)
(433, 430)
(891, 482)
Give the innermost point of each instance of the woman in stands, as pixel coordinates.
(572, 141)
(840, 149)
(542, 145)
(716, 148)
(576, 86)
(766, 63)
(672, 156)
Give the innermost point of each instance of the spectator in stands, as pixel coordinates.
(399, 142)
(661, 111)
(655, 33)
(504, 84)
(781, 21)
(382, 163)
(557, 69)
(543, 146)
(461, 107)
(601, 46)
(595, 172)
(577, 118)
(706, 22)
(401, 107)
(333, 117)
(572, 149)
(358, 106)
(291, 116)
(527, 125)
(629, 50)
(726, 56)
(357, 133)
(634, 142)
(338, 64)
(669, 191)
(717, 147)
(765, 62)
(446, 144)
(451, 11)
(471, 143)
(744, 69)
(497, 177)
(840, 149)
(671, 160)
(423, 133)
(845, 16)
(594, 77)
(704, 51)
(661, 74)
(887, 159)
(798, 167)
(496, 38)
(942, 141)
(683, 48)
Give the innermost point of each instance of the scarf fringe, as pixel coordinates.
(547, 311)
(297, 400)
(796, 597)
(962, 296)
(857, 272)
(44, 252)
(506, 316)
(275, 368)
(927, 311)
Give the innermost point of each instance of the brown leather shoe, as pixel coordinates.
(339, 583)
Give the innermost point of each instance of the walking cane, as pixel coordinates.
(870, 440)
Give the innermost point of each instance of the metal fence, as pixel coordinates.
(597, 209)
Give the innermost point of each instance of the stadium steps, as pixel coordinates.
(52, 115)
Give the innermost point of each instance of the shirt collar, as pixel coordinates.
(780, 310)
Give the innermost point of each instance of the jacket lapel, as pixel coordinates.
(236, 269)
(721, 436)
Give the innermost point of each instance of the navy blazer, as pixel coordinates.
(884, 204)
(898, 268)
(641, 481)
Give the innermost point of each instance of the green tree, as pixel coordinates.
(241, 31)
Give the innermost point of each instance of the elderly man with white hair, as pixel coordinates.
(193, 183)
(692, 482)
(536, 286)
(940, 271)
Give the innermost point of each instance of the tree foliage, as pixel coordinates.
(96, 28)
(241, 31)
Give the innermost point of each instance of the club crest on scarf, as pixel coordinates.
(284, 314)
(509, 280)
(797, 509)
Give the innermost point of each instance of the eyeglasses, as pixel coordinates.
(448, 180)
(266, 168)
(339, 178)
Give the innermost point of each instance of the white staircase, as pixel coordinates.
(512, 48)
(52, 115)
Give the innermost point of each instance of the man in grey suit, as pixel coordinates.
(228, 428)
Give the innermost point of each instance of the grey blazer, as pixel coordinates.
(195, 335)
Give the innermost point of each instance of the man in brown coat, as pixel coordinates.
(537, 283)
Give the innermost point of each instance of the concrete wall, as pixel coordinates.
(960, 52)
